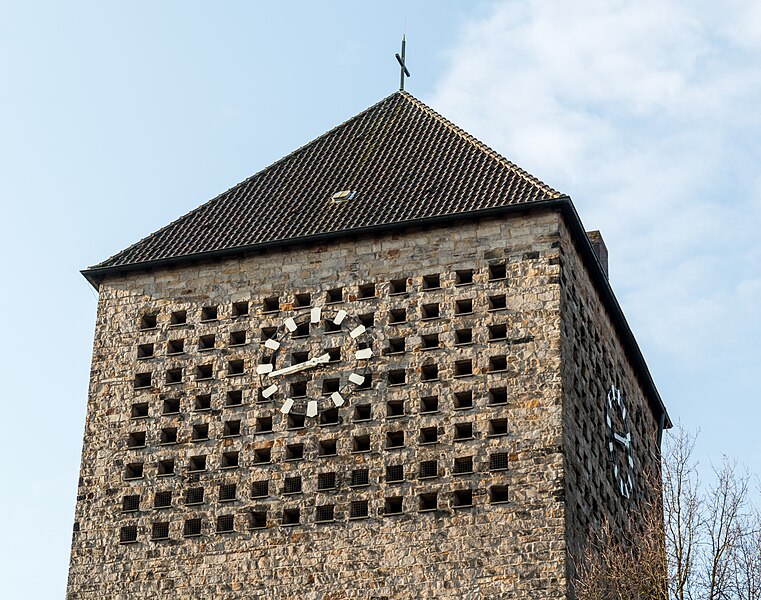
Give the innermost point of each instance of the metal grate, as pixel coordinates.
(160, 531)
(394, 473)
(260, 489)
(128, 534)
(325, 513)
(498, 461)
(360, 477)
(463, 464)
(428, 468)
(292, 485)
(227, 492)
(130, 503)
(194, 496)
(326, 481)
(192, 527)
(225, 523)
(162, 500)
(358, 509)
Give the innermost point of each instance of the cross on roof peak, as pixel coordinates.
(402, 64)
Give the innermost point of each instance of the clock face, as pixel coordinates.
(619, 441)
(315, 362)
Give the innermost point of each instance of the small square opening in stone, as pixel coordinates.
(209, 313)
(191, 527)
(128, 534)
(166, 467)
(368, 319)
(463, 400)
(143, 380)
(497, 427)
(462, 498)
(367, 383)
(238, 338)
(194, 496)
(397, 377)
(299, 389)
(291, 516)
(325, 513)
(398, 286)
(330, 385)
(497, 302)
(464, 277)
(362, 412)
(395, 346)
(428, 501)
(395, 439)
(162, 499)
(302, 300)
(497, 494)
(334, 354)
(230, 460)
(394, 473)
(175, 346)
(292, 485)
(258, 519)
(298, 358)
(334, 296)
(326, 448)
(429, 404)
(145, 351)
(397, 316)
(429, 372)
(431, 282)
(428, 469)
(234, 398)
(294, 451)
(361, 443)
(463, 368)
(497, 332)
(178, 317)
(139, 410)
(197, 463)
(498, 363)
(174, 375)
(260, 489)
(429, 435)
(430, 341)
(263, 425)
(200, 432)
(271, 304)
(204, 372)
(326, 481)
(331, 327)
(395, 409)
(168, 435)
(225, 523)
(497, 272)
(171, 406)
(392, 505)
(232, 428)
(136, 439)
(360, 477)
(149, 321)
(464, 307)
(296, 421)
(131, 503)
(240, 309)
(498, 395)
(235, 367)
(329, 416)
(358, 509)
(463, 431)
(268, 333)
(430, 311)
(462, 465)
(463, 337)
(367, 291)
(133, 471)
(227, 492)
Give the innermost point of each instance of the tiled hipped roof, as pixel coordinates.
(404, 162)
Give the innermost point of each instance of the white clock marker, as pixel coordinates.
(356, 379)
(357, 331)
(287, 406)
(290, 324)
(312, 408)
(364, 354)
(337, 398)
(265, 368)
(340, 317)
(272, 344)
(315, 314)
(269, 391)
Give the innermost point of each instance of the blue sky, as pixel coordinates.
(115, 118)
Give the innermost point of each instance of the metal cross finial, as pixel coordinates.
(401, 61)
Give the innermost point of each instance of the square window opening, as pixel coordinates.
(392, 505)
(291, 516)
(330, 385)
(498, 494)
(463, 368)
(395, 409)
(462, 498)
(260, 489)
(463, 465)
(238, 338)
(358, 509)
(204, 372)
(325, 513)
(240, 309)
(235, 367)
(174, 376)
(432, 282)
(429, 435)
(428, 469)
(463, 400)
(191, 528)
(463, 431)
(395, 439)
(142, 380)
(234, 398)
(303, 300)
(394, 473)
(361, 443)
(368, 319)
(429, 404)
(299, 389)
(395, 346)
(263, 425)
(166, 467)
(430, 341)
(296, 421)
(128, 534)
(162, 500)
(225, 523)
(149, 321)
(139, 410)
(136, 439)
(197, 463)
(171, 406)
(430, 311)
(230, 460)
(498, 363)
(200, 432)
(428, 502)
(326, 481)
(268, 333)
(464, 307)
(131, 503)
(175, 347)
(397, 316)
(334, 354)
(360, 477)
(329, 416)
(178, 317)
(292, 485)
(232, 428)
(327, 448)
(497, 332)
(145, 351)
(194, 496)
(497, 272)
(464, 277)
(209, 313)
(398, 286)
(498, 427)
(463, 337)
(168, 436)
(498, 302)
(271, 304)
(498, 395)
(334, 296)
(294, 452)
(430, 372)
(367, 291)
(397, 377)
(258, 519)
(362, 412)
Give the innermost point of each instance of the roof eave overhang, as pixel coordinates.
(563, 203)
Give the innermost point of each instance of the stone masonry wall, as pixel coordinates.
(491, 530)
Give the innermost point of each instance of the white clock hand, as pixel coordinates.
(301, 366)
(624, 441)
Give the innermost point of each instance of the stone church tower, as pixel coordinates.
(388, 366)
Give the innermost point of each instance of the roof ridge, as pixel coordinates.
(523, 174)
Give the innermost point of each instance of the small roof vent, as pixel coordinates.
(342, 196)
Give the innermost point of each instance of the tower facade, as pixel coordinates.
(389, 365)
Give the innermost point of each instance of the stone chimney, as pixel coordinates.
(601, 250)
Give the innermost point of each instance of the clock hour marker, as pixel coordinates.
(272, 344)
(312, 408)
(340, 317)
(269, 391)
(357, 331)
(364, 354)
(287, 406)
(356, 379)
(315, 314)
(290, 324)
(265, 368)
(337, 398)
